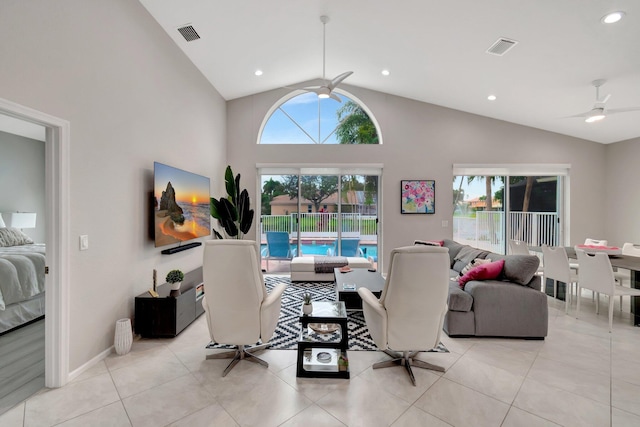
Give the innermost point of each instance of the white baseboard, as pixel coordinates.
(77, 372)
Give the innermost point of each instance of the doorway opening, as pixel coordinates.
(57, 241)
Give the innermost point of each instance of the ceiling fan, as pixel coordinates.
(599, 110)
(326, 90)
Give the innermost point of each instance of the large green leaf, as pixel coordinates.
(215, 208)
(230, 185)
(245, 212)
(237, 195)
(229, 217)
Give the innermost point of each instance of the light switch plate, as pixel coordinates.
(84, 242)
(445, 223)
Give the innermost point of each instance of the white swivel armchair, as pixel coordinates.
(409, 315)
(596, 274)
(238, 309)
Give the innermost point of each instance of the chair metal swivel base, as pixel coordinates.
(240, 354)
(406, 359)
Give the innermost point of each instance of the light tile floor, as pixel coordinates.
(581, 375)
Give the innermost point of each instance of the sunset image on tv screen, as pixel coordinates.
(181, 205)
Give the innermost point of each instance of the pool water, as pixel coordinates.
(321, 249)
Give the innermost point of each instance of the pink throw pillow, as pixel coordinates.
(482, 272)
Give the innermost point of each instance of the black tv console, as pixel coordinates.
(168, 315)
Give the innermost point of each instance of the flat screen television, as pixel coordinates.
(181, 206)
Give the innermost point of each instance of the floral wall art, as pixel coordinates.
(418, 196)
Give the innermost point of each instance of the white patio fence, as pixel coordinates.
(321, 225)
(487, 230)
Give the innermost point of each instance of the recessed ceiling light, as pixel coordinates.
(258, 72)
(491, 97)
(612, 17)
(385, 72)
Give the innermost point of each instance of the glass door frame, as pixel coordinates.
(561, 171)
(316, 170)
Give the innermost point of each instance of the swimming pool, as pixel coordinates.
(321, 249)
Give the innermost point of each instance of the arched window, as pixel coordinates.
(304, 118)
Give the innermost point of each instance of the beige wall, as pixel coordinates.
(622, 198)
(423, 141)
(131, 97)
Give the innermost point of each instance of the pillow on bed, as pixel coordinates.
(13, 237)
(2, 224)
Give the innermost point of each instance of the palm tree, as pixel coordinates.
(355, 125)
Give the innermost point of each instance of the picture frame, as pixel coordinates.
(418, 196)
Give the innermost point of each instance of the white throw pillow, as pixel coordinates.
(13, 237)
(474, 263)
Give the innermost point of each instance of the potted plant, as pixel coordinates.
(307, 307)
(234, 213)
(174, 278)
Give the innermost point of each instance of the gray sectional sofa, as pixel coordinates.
(510, 306)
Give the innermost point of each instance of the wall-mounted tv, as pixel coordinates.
(181, 206)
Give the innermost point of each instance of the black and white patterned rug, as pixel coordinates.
(287, 332)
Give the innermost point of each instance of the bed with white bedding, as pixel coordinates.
(22, 269)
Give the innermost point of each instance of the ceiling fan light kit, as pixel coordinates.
(596, 116)
(599, 111)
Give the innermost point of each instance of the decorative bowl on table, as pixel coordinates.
(592, 249)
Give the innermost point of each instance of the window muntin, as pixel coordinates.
(306, 119)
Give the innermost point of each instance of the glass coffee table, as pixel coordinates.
(323, 341)
(347, 285)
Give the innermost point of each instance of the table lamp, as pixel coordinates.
(22, 220)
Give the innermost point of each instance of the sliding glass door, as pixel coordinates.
(322, 214)
(487, 217)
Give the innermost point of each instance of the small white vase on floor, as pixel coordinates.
(123, 336)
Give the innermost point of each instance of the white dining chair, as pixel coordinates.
(519, 247)
(556, 267)
(596, 274)
(623, 276)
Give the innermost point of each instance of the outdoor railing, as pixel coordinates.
(320, 224)
(487, 229)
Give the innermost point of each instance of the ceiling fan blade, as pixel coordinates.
(315, 89)
(578, 115)
(622, 110)
(605, 99)
(336, 81)
(335, 97)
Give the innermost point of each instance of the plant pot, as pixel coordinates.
(307, 309)
(175, 286)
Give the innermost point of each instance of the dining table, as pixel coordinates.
(631, 263)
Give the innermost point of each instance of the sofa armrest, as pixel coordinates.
(494, 301)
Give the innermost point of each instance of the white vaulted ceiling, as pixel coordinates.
(434, 51)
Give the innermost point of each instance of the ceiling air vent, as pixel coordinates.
(189, 33)
(501, 46)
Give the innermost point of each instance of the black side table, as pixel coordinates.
(329, 313)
